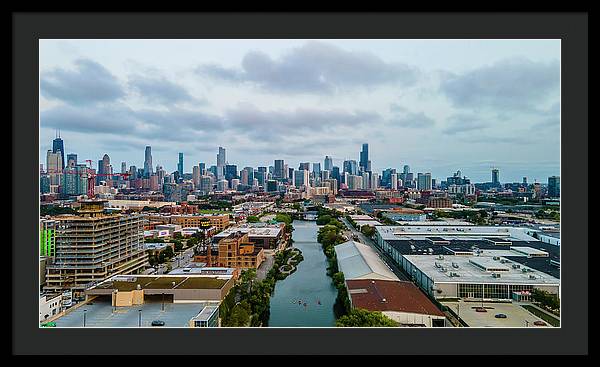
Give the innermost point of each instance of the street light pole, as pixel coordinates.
(84, 312)
(140, 318)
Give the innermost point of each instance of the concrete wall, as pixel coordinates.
(135, 297)
(412, 318)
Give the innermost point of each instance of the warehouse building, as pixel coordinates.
(360, 261)
(401, 301)
(475, 277)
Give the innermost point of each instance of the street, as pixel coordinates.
(367, 241)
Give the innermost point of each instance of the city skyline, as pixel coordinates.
(393, 94)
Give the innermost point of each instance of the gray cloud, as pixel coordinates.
(411, 120)
(175, 124)
(461, 123)
(315, 67)
(160, 90)
(113, 119)
(515, 84)
(89, 83)
(246, 118)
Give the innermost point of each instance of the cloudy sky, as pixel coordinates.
(436, 105)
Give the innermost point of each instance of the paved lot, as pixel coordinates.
(517, 316)
(102, 314)
(263, 269)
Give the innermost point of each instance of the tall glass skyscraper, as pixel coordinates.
(328, 163)
(496, 177)
(364, 157)
(148, 162)
(180, 165)
(57, 144)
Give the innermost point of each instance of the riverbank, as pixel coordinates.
(306, 297)
(248, 302)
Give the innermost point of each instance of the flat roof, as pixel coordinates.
(130, 282)
(360, 261)
(517, 316)
(452, 231)
(386, 295)
(469, 272)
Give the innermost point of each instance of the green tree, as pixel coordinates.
(252, 219)
(365, 318)
(178, 245)
(367, 230)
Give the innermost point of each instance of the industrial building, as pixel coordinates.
(475, 277)
(401, 301)
(92, 246)
(472, 262)
(360, 261)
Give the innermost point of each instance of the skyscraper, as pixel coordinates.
(351, 167)
(148, 162)
(496, 177)
(278, 171)
(123, 167)
(304, 166)
(317, 169)
(71, 160)
(328, 165)
(554, 186)
(58, 145)
(364, 157)
(424, 181)
(53, 162)
(221, 159)
(180, 165)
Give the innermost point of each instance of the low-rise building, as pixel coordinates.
(401, 301)
(49, 305)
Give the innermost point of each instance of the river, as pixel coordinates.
(309, 283)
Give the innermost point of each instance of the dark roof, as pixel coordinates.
(399, 296)
(542, 264)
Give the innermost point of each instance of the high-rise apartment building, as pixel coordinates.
(93, 245)
(53, 165)
(424, 181)
(180, 165)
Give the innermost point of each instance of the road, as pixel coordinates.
(383, 256)
(263, 269)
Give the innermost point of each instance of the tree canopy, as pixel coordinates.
(364, 318)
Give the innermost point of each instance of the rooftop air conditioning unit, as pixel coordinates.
(455, 265)
(532, 277)
(516, 266)
(495, 275)
(496, 257)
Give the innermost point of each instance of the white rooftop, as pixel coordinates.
(469, 272)
(359, 261)
(452, 232)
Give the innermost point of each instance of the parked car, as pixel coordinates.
(500, 316)
(158, 323)
(539, 323)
